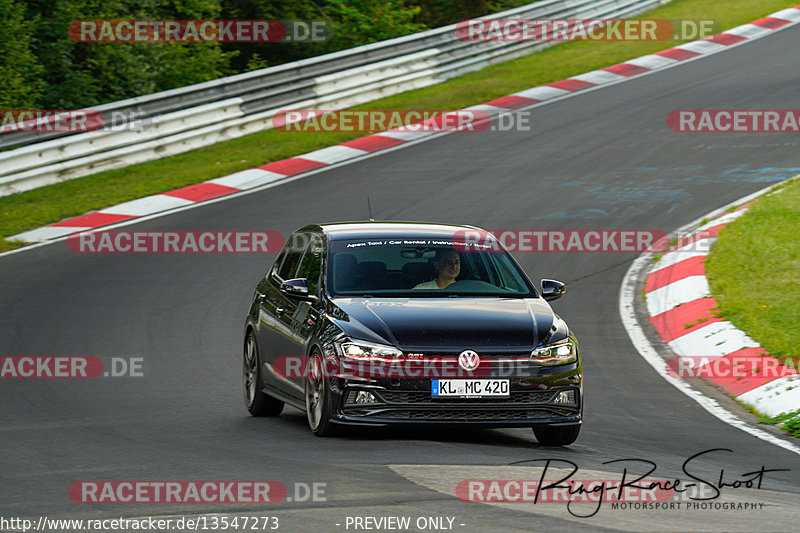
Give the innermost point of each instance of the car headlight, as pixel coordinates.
(362, 350)
(557, 353)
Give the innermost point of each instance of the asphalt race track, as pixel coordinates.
(603, 159)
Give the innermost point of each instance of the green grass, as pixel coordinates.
(695, 322)
(789, 422)
(754, 272)
(27, 210)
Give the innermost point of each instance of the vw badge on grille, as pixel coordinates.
(469, 360)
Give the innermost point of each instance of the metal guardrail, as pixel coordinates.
(198, 115)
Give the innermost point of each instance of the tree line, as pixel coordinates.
(42, 68)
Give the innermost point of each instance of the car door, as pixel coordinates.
(278, 342)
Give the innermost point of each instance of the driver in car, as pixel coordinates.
(448, 265)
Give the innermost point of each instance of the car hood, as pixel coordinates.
(447, 324)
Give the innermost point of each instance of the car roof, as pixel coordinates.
(379, 229)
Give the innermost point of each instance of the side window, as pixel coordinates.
(278, 261)
(292, 253)
(311, 264)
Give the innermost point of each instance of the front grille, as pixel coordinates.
(425, 397)
(453, 357)
(469, 414)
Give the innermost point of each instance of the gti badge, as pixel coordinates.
(468, 360)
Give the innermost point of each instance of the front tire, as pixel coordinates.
(318, 399)
(556, 435)
(257, 402)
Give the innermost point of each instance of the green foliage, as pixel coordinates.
(368, 21)
(790, 422)
(435, 13)
(256, 62)
(353, 22)
(19, 68)
(79, 75)
(43, 68)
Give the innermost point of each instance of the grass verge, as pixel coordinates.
(789, 422)
(39, 207)
(754, 272)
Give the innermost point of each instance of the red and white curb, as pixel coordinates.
(681, 310)
(653, 353)
(352, 150)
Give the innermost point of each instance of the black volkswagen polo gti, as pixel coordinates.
(375, 323)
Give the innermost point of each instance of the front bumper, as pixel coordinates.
(529, 403)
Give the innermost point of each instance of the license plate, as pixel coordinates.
(469, 388)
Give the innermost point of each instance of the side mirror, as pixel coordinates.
(298, 289)
(552, 289)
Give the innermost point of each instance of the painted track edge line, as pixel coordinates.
(645, 348)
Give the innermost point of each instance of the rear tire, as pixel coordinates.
(257, 402)
(556, 435)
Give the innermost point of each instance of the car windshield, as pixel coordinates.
(422, 267)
